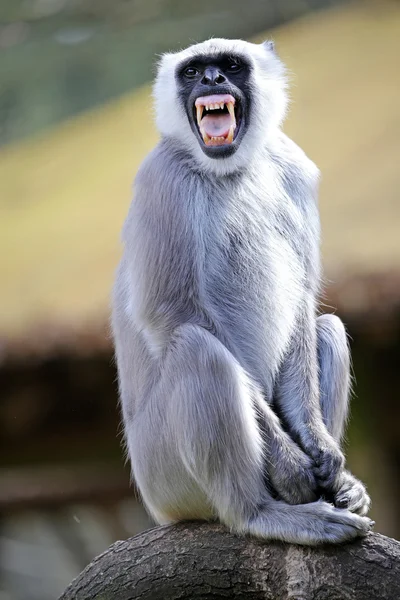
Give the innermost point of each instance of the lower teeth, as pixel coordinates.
(229, 139)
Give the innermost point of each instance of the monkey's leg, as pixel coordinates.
(334, 378)
(197, 435)
(198, 432)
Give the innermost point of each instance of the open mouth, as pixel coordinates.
(217, 118)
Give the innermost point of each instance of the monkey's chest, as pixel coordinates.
(254, 278)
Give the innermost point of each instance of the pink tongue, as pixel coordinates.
(216, 125)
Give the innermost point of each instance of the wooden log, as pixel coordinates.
(195, 560)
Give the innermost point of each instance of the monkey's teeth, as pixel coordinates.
(202, 107)
(206, 138)
(229, 138)
(232, 113)
(199, 111)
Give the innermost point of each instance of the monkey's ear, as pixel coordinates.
(269, 45)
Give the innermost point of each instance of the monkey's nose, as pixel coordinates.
(213, 76)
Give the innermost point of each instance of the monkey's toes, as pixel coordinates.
(346, 525)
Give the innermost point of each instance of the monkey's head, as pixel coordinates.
(221, 100)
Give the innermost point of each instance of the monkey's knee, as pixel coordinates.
(197, 347)
(209, 369)
(334, 372)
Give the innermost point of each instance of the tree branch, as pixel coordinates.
(195, 560)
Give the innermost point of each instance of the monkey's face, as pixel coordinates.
(221, 100)
(214, 92)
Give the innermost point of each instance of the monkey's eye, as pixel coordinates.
(235, 66)
(190, 72)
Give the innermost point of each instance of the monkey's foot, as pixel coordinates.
(352, 495)
(310, 524)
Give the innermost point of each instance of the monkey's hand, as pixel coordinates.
(327, 457)
(352, 494)
(291, 472)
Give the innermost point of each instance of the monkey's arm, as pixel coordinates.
(155, 289)
(297, 396)
(162, 253)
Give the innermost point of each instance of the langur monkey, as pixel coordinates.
(234, 391)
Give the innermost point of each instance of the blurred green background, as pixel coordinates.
(75, 123)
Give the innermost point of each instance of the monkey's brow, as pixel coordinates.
(212, 59)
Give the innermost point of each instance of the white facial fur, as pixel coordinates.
(269, 101)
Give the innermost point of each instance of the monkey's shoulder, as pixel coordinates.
(299, 175)
(167, 163)
(290, 153)
(159, 185)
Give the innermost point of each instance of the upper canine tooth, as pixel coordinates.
(231, 112)
(222, 105)
(199, 111)
(229, 138)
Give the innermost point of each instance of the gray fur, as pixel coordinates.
(215, 326)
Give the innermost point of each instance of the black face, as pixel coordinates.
(215, 93)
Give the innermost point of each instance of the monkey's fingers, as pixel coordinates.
(328, 465)
(341, 501)
(327, 478)
(352, 495)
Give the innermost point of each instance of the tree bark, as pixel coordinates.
(197, 561)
